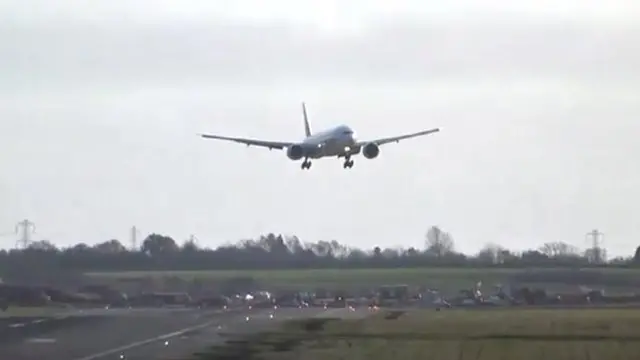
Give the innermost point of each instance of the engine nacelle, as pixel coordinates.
(295, 152)
(371, 151)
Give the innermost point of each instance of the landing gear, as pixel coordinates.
(306, 164)
(348, 163)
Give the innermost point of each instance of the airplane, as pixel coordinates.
(339, 141)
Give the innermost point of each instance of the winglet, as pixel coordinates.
(307, 128)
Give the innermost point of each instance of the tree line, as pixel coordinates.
(271, 251)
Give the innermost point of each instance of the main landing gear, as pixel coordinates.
(306, 164)
(348, 163)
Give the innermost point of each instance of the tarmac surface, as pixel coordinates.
(137, 334)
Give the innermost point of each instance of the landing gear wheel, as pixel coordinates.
(348, 164)
(305, 165)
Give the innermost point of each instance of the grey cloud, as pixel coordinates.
(127, 54)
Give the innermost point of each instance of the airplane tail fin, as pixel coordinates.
(307, 128)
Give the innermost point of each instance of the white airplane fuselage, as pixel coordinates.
(339, 141)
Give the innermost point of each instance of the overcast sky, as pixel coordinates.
(538, 102)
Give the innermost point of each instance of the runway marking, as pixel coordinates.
(38, 321)
(41, 340)
(17, 325)
(147, 341)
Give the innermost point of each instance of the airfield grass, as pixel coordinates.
(594, 334)
(441, 278)
(28, 312)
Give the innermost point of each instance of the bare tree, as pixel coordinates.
(490, 254)
(43, 245)
(110, 247)
(438, 242)
(559, 249)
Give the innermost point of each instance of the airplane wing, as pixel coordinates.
(250, 142)
(398, 138)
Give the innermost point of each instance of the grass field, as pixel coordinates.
(332, 278)
(26, 312)
(611, 334)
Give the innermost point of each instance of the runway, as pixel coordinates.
(136, 334)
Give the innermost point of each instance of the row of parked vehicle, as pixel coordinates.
(93, 295)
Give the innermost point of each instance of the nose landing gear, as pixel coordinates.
(306, 164)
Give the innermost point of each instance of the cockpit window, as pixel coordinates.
(346, 130)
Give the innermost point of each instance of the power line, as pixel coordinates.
(595, 238)
(26, 228)
(134, 238)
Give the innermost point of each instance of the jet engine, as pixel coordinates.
(295, 152)
(371, 151)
